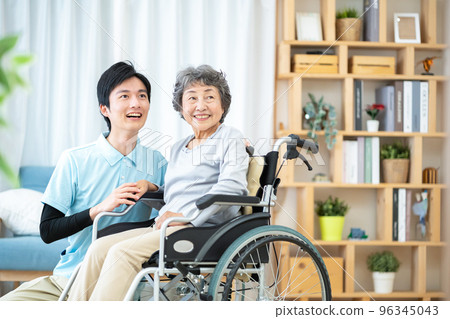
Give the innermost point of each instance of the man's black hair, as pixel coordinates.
(114, 76)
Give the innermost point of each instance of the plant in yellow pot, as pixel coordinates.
(348, 26)
(395, 162)
(331, 214)
(383, 266)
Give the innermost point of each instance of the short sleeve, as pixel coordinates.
(61, 189)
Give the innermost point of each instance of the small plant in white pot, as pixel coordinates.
(383, 265)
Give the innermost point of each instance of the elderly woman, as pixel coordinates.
(211, 161)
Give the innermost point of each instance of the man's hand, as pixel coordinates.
(124, 194)
(145, 186)
(165, 216)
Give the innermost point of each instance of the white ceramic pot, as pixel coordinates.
(372, 125)
(383, 282)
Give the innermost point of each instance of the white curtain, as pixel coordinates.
(74, 41)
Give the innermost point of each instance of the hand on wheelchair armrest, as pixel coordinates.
(153, 199)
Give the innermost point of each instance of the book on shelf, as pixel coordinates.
(350, 162)
(402, 214)
(415, 106)
(368, 160)
(375, 159)
(398, 102)
(395, 214)
(385, 96)
(407, 106)
(371, 21)
(408, 214)
(358, 104)
(424, 107)
(360, 142)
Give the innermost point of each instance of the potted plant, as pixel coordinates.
(348, 25)
(372, 110)
(321, 116)
(383, 266)
(395, 162)
(331, 214)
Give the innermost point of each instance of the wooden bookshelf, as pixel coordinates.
(306, 192)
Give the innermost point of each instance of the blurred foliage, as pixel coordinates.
(10, 79)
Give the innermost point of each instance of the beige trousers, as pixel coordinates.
(47, 288)
(112, 262)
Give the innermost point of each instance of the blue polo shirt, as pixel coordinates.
(86, 175)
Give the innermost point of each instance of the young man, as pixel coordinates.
(102, 176)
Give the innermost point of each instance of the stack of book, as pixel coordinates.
(361, 160)
(405, 102)
(401, 214)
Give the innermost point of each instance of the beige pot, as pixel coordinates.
(395, 170)
(348, 29)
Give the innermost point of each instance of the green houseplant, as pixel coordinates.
(395, 162)
(348, 26)
(383, 266)
(320, 116)
(331, 214)
(10, 79)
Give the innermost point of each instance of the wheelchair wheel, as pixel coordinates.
(270, 263)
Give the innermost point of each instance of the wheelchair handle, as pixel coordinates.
(308, 144)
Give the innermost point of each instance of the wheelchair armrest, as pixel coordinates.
(158, 195)
(211, 199)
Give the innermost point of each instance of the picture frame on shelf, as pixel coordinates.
(406, 28)
(309, 26)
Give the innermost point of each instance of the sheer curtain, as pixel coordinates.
(74, 41)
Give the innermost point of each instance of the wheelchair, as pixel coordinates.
(245, 258)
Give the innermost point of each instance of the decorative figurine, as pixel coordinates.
(320, 178)
(420, 208)
(357, 234)
(427, 63)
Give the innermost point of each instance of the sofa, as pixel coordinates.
(23, 254)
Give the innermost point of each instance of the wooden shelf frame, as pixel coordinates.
(328, 13)
(305, 191)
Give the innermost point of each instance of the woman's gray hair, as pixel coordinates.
(205, 75)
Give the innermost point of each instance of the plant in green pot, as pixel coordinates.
(331, 214)
(348, 25)
(320, 115)
(383, 266)
(395, 162)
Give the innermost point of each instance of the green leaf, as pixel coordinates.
(7, 43)
(19, 80)
(22, 59)
(8, 172)
(3, 122)
(4, 81)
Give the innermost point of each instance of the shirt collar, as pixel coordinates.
(112, 155)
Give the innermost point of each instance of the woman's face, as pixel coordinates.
(202, 109)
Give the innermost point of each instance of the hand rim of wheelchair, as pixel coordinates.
(248, 243)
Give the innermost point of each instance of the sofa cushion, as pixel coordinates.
(35, 177)
(29, 253)
(20, 210)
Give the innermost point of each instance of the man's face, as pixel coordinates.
(128, 106)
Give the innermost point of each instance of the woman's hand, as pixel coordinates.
(124, 194)
(165, 216)
(145, 186)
